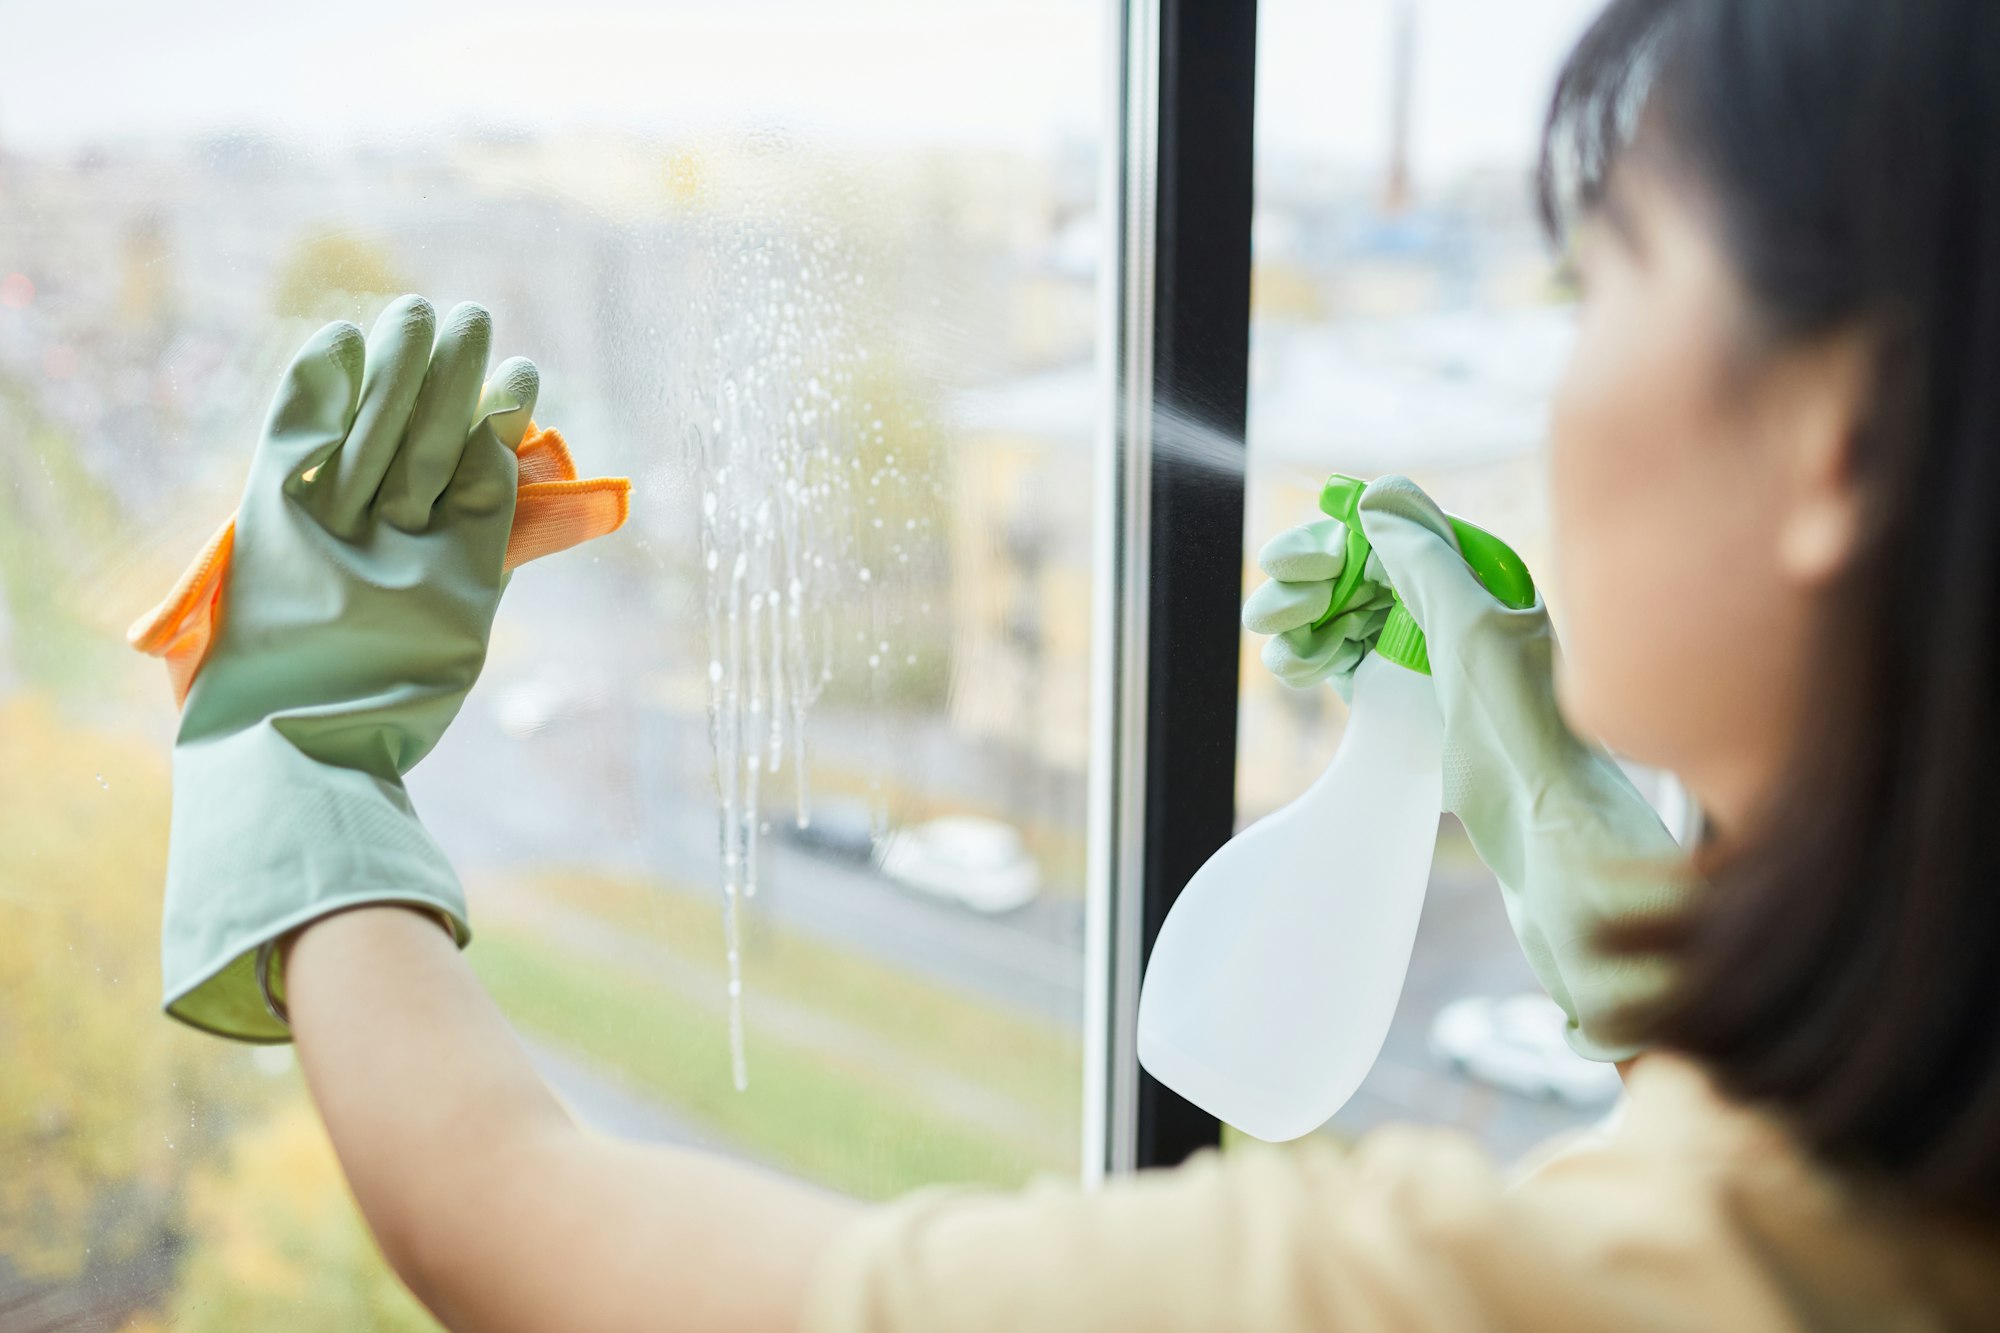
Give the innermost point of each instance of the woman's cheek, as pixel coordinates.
(1591, 684)
(1610, 546)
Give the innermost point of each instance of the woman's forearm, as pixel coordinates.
(490, 1203)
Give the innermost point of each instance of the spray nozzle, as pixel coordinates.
(1492, 561)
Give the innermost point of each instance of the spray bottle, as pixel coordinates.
(1276, 973)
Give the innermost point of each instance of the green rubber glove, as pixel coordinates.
(1572, 842)
(366, 574)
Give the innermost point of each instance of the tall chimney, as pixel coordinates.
(1402, 83)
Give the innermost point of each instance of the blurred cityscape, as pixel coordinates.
(914, 957)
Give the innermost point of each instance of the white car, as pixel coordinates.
(1516, 1042)
(981, 863)
(528, 707)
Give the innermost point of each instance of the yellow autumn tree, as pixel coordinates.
(335, 276)
(282, 1245)
(104, 1109)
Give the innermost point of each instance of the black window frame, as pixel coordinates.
(1169, 643)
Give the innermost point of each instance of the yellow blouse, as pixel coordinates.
(1688, 1213)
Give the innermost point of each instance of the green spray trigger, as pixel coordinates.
(1493, 562)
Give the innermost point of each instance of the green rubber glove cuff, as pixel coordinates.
(241, 873)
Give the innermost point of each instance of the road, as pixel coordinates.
(494, 800)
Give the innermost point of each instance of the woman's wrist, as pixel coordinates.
(273, 956)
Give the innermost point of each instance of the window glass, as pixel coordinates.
(822, 279)
(1407, 318)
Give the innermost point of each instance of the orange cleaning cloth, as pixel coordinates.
(553, 511)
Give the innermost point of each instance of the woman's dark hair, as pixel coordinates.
(1843, 967)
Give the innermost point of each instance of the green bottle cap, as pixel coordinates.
(1402, 642)
(1493, 562)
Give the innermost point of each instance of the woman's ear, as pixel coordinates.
(1823, 396)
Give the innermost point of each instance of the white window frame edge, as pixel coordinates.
(1114, 889)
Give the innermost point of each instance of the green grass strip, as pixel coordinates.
(807, 1114)
(1032, 1062)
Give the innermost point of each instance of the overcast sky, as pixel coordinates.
(1019, 73)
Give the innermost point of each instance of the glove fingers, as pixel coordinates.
(1303, 657)
(314, 405)
(1278, 606)
(507, 402)
(1361, 626)
(1313, 552)
(488, 473)
(399, 349)
(438, 424)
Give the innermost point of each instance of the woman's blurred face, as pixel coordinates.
(1690, 543)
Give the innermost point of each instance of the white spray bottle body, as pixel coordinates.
(1274, 978)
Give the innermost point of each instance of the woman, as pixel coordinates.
(1776, 461)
